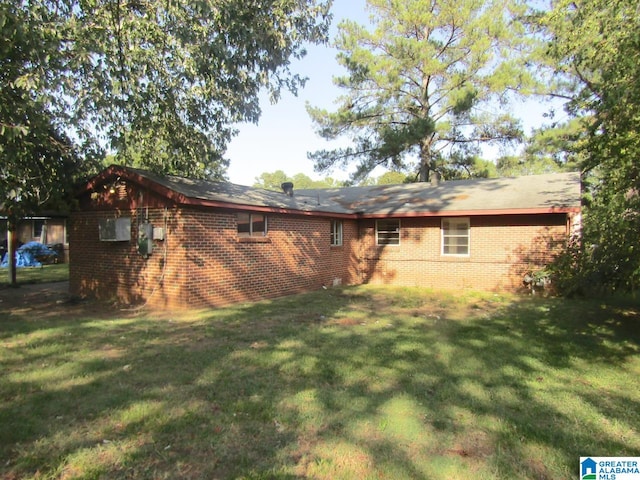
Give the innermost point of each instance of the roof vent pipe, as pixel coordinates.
(287, 188)
(435, 178)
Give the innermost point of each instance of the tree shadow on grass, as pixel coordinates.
(553, 375)
(507, 394)
(351, 383)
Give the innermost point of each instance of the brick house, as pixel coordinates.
(49, 228)
(176, 242)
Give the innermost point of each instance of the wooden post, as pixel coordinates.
(11, 251)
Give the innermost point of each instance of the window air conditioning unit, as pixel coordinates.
(115, 229)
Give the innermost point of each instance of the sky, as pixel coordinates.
(285, 132)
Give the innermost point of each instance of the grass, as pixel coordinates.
(340, 384)
(57, 272)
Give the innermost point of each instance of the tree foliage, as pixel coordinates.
(427, 80)
(37, 159)
(274, 181)
(392, 178)
(159, 83)
(554, 146)
(596, 46)
(549, 149)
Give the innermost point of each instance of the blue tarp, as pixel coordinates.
(27, 255)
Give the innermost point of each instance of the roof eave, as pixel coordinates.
(126, 174)
(204, 203)
(475, 212)
(182, 199)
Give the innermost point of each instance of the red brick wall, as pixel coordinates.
(502, 250)
(342, 261)
(295, 256)
(115, 270)
(202, 261)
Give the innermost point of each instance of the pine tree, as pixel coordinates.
(428, 80)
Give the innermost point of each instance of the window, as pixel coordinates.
(388, 232)
(38, 226)
(455, 236)
(252, 225)
(336, 233)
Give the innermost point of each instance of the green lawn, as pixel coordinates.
(58, 272)
(355, 383)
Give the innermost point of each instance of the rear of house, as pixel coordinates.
(211, 248)
(486, 252)
(175, 243)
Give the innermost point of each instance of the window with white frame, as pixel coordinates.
(252, 225)
(37, 225)
(455, 236)
(336, 233)
(388, 232)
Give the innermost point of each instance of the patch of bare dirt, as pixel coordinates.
(43, 300)
(34, 295)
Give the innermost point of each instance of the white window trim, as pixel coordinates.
(468, 236)
(336, 233)
(378, 244)
(261, 234)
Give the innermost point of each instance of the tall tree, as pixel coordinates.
(159, 82)
(428, 79)
(38, 162)
(595, 45)
(36, 157)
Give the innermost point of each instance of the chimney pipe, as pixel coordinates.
(287, 188)
(435, 178)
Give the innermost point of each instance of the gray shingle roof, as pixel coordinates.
(536, 193)
(225, 192)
